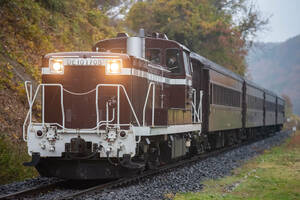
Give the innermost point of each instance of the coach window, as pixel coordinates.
(153, 55)
(173, 60)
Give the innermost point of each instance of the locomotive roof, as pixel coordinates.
(147, 37)
(216, 67)
(84, 53)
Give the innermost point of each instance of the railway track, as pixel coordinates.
(129, 180)
(33, 191)
(36, 191)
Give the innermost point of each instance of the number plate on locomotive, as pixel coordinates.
(84, 61)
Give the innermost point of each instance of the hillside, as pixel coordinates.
(276, 66)
(30, 29)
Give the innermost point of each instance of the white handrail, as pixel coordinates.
(197, 112)
(118, 101)
(32, 100)
(153, 103)
(200, 105)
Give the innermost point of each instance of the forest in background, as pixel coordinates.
(221, 30)
(276, 66)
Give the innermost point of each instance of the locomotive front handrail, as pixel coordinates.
(32, 98)
(118, 101)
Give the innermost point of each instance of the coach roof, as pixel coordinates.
(216, 67)
(252, 84)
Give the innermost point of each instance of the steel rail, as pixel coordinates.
(128, 180)
(33, 191)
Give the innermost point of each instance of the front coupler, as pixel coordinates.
(35, 159)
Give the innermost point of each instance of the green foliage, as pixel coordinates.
(12, 156)
(30, 29)
(54, 5)
(288, 106)
(199, 24)
(6, 76)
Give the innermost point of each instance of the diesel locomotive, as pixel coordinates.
(136, 103)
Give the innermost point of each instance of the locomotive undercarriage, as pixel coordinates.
(152, 152)
(82, 162)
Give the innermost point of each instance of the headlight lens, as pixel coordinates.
(56, 66)
(113, 67)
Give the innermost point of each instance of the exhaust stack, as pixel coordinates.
(136, 45)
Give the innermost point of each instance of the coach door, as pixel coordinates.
(196, 79)
(201, 83)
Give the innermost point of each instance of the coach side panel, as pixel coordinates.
(225, 102)
(254, 102)
(280, 111)
(270, 109)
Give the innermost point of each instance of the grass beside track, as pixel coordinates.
(12, 156)
(272, 175)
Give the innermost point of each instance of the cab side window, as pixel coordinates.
(117, 50)
(187, 64)
(173, 61)
(153, 55)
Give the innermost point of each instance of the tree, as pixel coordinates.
(288, 106)
(114, 8)
(205, 26)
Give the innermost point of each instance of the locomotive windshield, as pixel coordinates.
(173, 61)
(153, 55)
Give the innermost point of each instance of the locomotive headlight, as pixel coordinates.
(113, 67)
(56, 66)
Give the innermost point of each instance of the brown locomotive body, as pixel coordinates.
(134, 103)
(171, 89)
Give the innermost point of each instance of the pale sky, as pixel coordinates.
(284, 22)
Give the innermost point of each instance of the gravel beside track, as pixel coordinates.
(183, 179)
(189, 178)
(28, 183)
